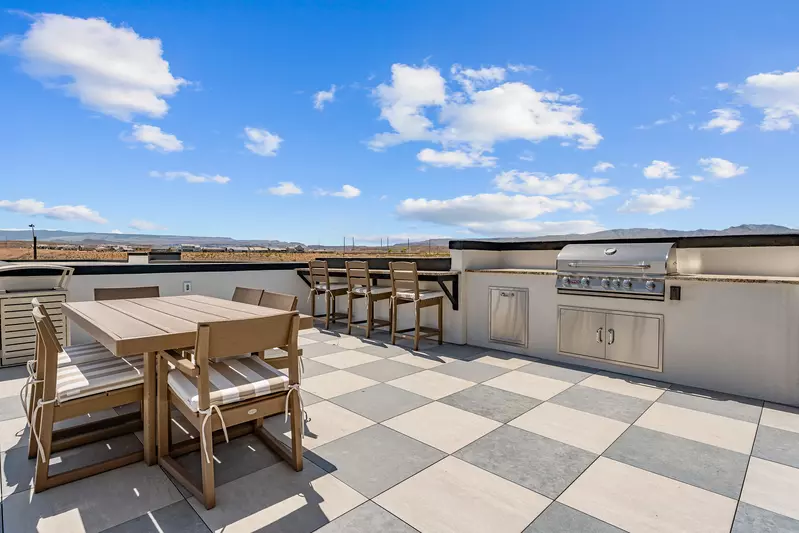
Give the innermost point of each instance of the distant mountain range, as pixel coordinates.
(136, 239)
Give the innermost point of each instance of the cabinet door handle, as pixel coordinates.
(611, 336)
(599, 335)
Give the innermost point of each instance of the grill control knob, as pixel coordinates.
(627, 284)
(566, 281)
(615, 283)
(585, 282)
(605, 283)
(650, 285)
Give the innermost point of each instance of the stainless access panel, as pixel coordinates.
(581, 332)
(634, 339)
(508, 315)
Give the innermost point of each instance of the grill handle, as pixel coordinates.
(576, 264)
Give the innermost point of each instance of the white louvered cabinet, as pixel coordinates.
(17, 330)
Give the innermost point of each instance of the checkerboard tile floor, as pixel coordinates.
(448, 439)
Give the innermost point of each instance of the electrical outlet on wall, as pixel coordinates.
(187, 286)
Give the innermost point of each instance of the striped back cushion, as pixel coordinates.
(83, 353)
(231, 380)
(98, 376)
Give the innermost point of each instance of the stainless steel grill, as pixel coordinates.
(627, 270)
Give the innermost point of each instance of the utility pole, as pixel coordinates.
(353, 244)
(344, 248)
(33, 234)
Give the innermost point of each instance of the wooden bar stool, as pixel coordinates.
(404, 290)
(320, 285)
(360, 286)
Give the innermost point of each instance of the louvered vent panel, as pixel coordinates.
(17, 330)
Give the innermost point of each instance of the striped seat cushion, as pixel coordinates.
(95, 377)
(423, 294)
(375, 290)
(83, 353)
(333, 286)
(232, 380)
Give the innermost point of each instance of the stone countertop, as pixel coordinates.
(717, 278)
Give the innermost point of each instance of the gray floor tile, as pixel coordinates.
(491, 402)
(11, 407)
(463, 352)
(310, 399)
(559, 518)
(384, 370)
(777, 445)
(713, 402)
(751, 519)
(382, 349)
(535, 462)
(375, 459)
(368, 518)
(324, 336)
(603, 403)
(561, 371)
(315, 368)
(471, 371)
(176, 518)
(708, 467)
(315, 350)
(380, 402)
(18, 470)
(234, 459)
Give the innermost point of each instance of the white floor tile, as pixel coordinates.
(505, 360)
(349, 343)
(442, 426)
(346, 359)
(530, 385)
(772, 486)
(621, 385)
(278, 499)
(453, 496)
(715, 430)
(638, 501)
(421, 360)
(327, 422)
(780, 417)
(336, 383)
(92, 504)
(433, 385)
(584, 430)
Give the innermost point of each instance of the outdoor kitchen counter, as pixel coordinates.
(717, 278)
(527, 271)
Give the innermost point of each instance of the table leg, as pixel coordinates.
(148, 416)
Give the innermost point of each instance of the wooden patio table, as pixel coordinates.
(149, 325)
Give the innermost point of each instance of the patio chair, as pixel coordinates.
(126, 293)
(360, 286)
(320, 285)
(74, 390)
(277, 300)
(232, 391)
(247, 296)
(31, 391)
(404, 290)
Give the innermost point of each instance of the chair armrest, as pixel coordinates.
(184, 365)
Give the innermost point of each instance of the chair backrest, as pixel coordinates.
(404, 277)
(358, 274)
(319, 273)
(47, 349)
(277, 300)
(48, 321)
(219, 340)
(126, 293)
(247, 296)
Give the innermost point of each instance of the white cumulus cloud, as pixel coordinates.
(110, 69)
(322, 97)
(190, 177)
(721, 168)
(563, 185)
(262, 142)
(154, 139)
(726, 120)
(487, 112)
(145, 225)
(480, 208)
(658, 201)
(29, 206)
(284, 188)
(776, 94)
(660, 170)
(603, 166)
(455, 158)
(347, 191)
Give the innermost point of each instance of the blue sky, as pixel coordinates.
(447, 118)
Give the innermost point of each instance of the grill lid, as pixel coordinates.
(649, 259)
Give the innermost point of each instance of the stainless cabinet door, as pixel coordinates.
(581, 332)
(633, 340)
(508, 316)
